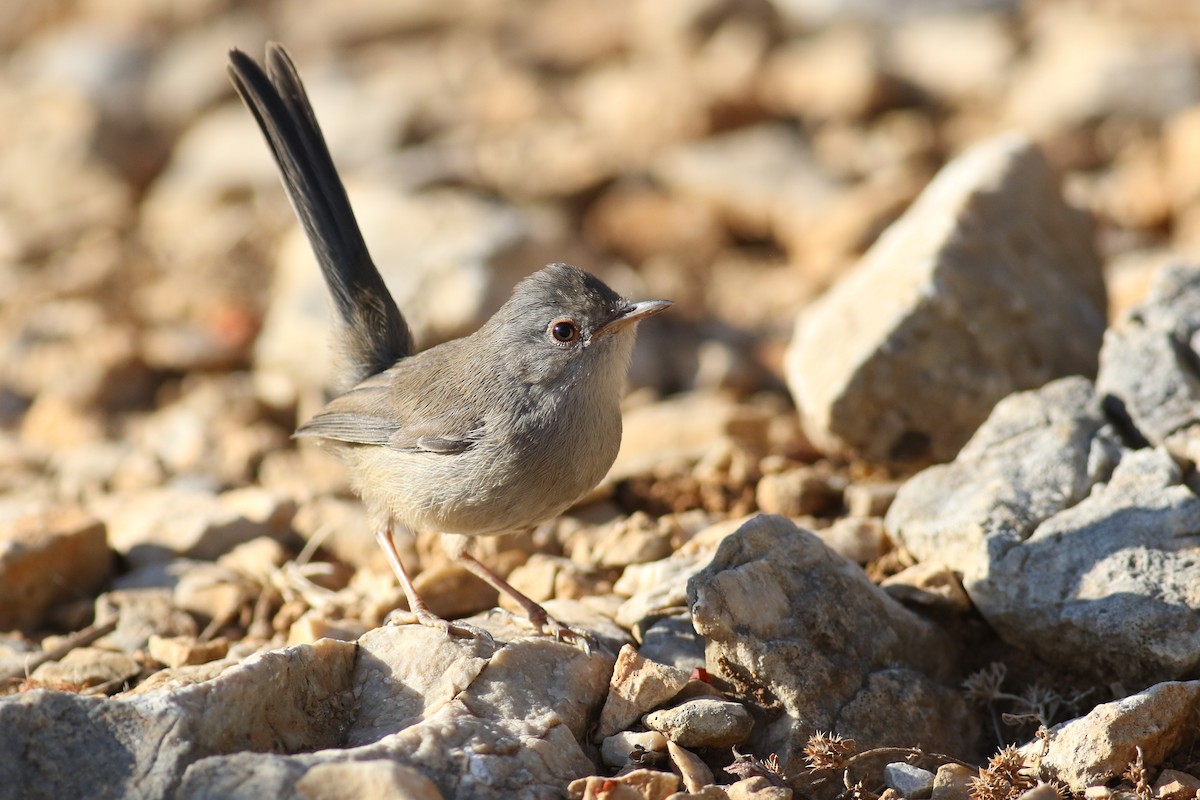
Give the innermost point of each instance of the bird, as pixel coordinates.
(484, 435)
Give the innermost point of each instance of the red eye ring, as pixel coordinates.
(564, 331)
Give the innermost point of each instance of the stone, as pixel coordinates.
(637, 685)
(290, 700)
(962, 298)
(1038, 453)
(788, 619)
(1069, 545)
(212, 592)
(758, 788)
(834, 74)
(341, 528)
(763, 180)
(544, 577)
(683, 429)
(160, 523)
(179, 651)
(928, 584)
(378, 779)
(657, 587)
(48, 558)
(860, 539)
(953, 782)
(636, 539)
(314, 625)
(140, 614)
(1111, 576)
(1082, 67)
(1099, 746)
(86, 667)
(692, 770)
(615, 749)
(703, 722)
(641, 784)
(673, 640)
(1147, 377)
(869, 499)
(909, 780)
(981, 47)
(800, 492)
(1171, 784)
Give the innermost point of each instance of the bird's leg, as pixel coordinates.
(538, 616)
(415, 604)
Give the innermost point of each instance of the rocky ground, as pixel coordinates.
(906, 505)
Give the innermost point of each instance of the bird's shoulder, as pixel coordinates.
(435, 401)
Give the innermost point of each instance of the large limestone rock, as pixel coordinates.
(811, 644)
(1069, 544)
(990, 283)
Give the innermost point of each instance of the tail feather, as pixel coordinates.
(372, 334)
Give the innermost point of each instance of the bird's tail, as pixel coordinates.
(372, 334)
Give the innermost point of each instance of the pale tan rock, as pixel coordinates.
(140, 614)
(544, 577)
(156, 524)
(1171, 784)
(342, 529)
(642, 222)
(615, 750)
(1083, 66)
(766, 603)
(380, 779)
(804, 491)
(694, 773)
(1043, 791)
(180, 651)
(641, 784)
(255, 560)
(834, 74)
(84, 667)
(703, 722)
(943, 297)
(213, 592)
(684, 428)
(637, 686)
(637, 539)
(953, 782)
(1181, 154)
(860, 539)
(928, 583)
(982, 48)
(763, 180)
(313, 625)
(452, 592)
(869, 499)
(54, 421)
(758, 788)
(48, 558)
(1099, 746)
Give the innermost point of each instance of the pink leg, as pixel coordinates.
(415, 604)
(538, 617)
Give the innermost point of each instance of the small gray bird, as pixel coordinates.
(483, 435)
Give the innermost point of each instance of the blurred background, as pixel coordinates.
(735, 155)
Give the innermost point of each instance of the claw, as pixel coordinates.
(431, 620)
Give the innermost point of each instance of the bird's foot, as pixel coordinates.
(430, 620)
(541, 621)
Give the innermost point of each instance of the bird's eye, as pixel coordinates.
(564, 331)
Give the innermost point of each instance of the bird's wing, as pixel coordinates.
(411, 406)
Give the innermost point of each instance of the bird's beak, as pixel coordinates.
(631, 315)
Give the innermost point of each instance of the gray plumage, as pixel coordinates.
(487, 434)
